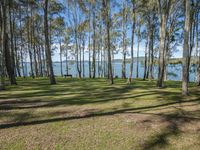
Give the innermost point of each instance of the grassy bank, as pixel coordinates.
(91, 114)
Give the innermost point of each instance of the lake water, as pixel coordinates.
(174, 71)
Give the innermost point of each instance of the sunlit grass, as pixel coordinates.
(92, 114)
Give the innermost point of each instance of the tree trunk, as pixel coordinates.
(89, 57)
(124, 43)
(151, 57)
(185, 62)
(66, 61)
(145, 60)
(6, 50)
(3, 32)
(21, 41)
(94, 46)
(35, 59)
(28, 42)
(40, 61)
(197, 48)
(12, 54)
(138, 49)
(47, 45)
(83, 56)
(77, 54)
(61, 67)
(106, 5)
(132, 44)
(161, 64)
(17, 58)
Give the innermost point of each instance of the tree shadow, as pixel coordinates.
(175, 120)
(82, 93)
(172, 118)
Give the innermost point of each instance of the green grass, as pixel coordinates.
(91, 114)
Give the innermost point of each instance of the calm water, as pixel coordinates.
(174, 71)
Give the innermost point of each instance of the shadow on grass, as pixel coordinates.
(38, 94)
(72, 93)
(175, 121)
(97, 92)
(99, 114)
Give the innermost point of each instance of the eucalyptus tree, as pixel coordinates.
(11, 29)
(101, 35)
(132, 40)
(185, 62)
(82, 40)
(106, 16)
(163, 13)
(145, 36)
(197, 40)
(124, 21)
(6, 53)
(173, 34)
(148, 13)
(2, 48)
(77, 22)
(47, 45)
(139, 24)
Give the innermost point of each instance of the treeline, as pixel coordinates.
(96, 31)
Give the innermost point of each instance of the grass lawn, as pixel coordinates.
(90, 114)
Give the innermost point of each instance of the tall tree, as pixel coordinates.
(5, 45)
(47, 44)
(106, 6)
(163, 12)
(185, 62)
(132, 41)
(2, 49)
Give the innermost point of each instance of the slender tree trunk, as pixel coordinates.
(83, 40)
(132, 44)
(149, 54)
(99, 59)
(35, 60)
(77, 54)
(185, 62)
(17, 59)
(106, 5)
(124, 65)
(138, 49)
(124, 43)
(102, 70)
(197, 48)
(61, 66)
(47, 45)
(3, 32)
(166, 57)
(145, 59)
(89, 57)
(28, 43)
(161, 64)
(105, 66)
(40, 60)
(80, 57)
(7, 55)
(43, 60)
(21, 42)
(12, 54)
(94, 46)
(151, 57)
